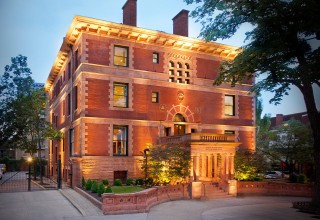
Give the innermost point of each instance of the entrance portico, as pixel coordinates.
(212, 155)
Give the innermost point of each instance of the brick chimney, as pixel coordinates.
(279, 119)
(180, 23)
(129, 10)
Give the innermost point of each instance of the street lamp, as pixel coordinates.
(146, 153)
(29, 159)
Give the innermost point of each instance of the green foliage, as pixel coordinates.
(22, 119)
(129, 181)
(126, 189)
(88, 184)
(168, 163)
(293, 178)
(100, 189)
(248, 165)
(108, 189)
(105, 182)
(139, 182)
(117, 182)
(94, 186)
(149, 181)
(302, 178)
(83, 182)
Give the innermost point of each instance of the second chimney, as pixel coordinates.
(130, 13)
(180, 23)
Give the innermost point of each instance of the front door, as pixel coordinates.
(179, 129)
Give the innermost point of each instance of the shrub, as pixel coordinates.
(100, 189)
(94, 187)
(139, 181)
(149, 181)
(293, 178)
(88, 184)
(108, 189)
(105, 182)
(129, 182)
(117, 182)
(302, 178)
(83, 182)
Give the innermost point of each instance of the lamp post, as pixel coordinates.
(29, 174)
(146, 153)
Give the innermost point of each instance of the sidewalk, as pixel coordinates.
(53, 205)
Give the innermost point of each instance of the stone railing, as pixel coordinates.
(197, 137)
(274, 189)
(142, 201)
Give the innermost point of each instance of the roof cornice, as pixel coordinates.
(82, 24)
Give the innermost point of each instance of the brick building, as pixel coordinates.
(115, 88)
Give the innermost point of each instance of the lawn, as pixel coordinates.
(126, 189)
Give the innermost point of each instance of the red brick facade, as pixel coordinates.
(83, 103)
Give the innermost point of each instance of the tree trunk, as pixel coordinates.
(314, 119)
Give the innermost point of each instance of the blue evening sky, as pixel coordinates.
(35, 28)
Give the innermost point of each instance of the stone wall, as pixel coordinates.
(275, 189)
(142, 201)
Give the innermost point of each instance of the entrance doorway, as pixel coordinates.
(179, 129)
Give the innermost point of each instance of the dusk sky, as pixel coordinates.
(35, 28)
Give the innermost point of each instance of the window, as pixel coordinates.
(155, 57)
(179, 80)
(76, 62)
(120, 57)
(71, 141)
(155, 97)
(167, 131)
(187, 66)
(120, 140)
(187, 81)
(120, 95)
(229, 105)
(171, 72)
(69, 104)
(179, 73)
(171, 64)
(69, 70)
(179, 65)
(186, 74)
(171, 79)
(229, 132)
(76, 97)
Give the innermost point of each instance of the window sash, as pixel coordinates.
(155, 58)
(155, 97)
(120, 56)
(229, 102)
(120, 140)
(120, 95)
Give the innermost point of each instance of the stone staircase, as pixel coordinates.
(211, 190)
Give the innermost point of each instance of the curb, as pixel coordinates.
(82, 212)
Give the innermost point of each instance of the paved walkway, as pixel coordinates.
(66, 204)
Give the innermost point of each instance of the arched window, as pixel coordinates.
(187, 66)
(179, 65)
(171, 64)
(179, 118)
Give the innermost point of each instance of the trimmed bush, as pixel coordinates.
(129, 182)
(105, 182)
(83, 182)
(302, 178)
(108, 189)
(100, 189)
(293, 178)
(94, 187)
(149, 181)
(88, 184)
(139, 181)
(117, 182)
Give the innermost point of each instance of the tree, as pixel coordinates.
(169, 163)
(248, 164)
(292, 144)
(282, 49)
(22, 120)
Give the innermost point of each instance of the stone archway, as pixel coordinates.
(180, 109)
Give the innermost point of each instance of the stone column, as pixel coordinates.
(223, 166)
(197, 169)
(210, 165)
(232, 166)
(215, 165)
(204, 165)
(227, 166)
(191, 168)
